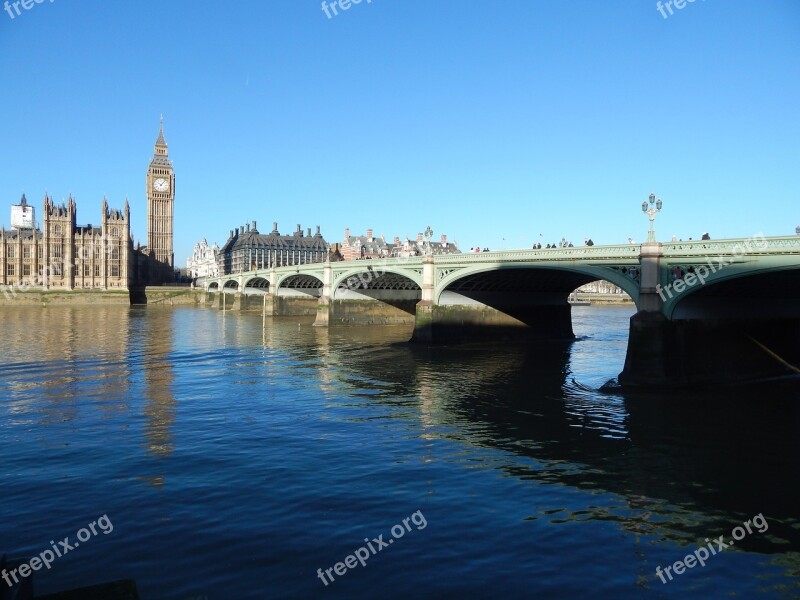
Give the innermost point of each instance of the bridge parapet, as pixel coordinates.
(629, 251)
(734, 246)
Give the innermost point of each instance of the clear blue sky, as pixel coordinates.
(491, 122)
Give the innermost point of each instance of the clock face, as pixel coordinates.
(160, 185)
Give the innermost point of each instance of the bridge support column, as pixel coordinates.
(423, 323)
(650, 356)
(649, 274)
(210, 298)
(325, 304)
(239, 301)
(423, 320)
(230, 300)
(428, 279)
(268, 305)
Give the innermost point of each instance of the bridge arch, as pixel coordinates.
(257, 283)
(299, 284)
(555, 280)
(378, 282)
(734, 292)
(213, 286)
(518, 301)
(231, 285)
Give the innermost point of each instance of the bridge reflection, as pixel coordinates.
(712, 453)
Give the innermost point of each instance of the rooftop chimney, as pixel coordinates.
(420, 237)
(275, 228)
(444, 239)
(347, 234)
(231, 235)
(237, 231)
(248, 228)
(299, 231)
(318, 234)
(254, 225)
(396, 241)
(369, 235)
(309, 232)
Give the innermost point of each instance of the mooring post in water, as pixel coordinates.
(264, 313)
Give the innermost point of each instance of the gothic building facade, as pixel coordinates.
(65, 255)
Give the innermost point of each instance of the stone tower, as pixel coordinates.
(160, 202)
(58, 228)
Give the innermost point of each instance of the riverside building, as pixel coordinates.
(246, 249)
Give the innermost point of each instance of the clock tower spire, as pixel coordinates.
(160, 203)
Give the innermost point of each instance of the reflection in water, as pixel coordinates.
(87, 361)
(67, 358)
(153, 334)
(156, 341)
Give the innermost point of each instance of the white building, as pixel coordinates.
(203, 262)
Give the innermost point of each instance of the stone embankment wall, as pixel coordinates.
(61, 297)
(156, 295)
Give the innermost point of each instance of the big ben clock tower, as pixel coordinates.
(160, 201)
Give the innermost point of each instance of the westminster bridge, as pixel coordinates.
(708, 311)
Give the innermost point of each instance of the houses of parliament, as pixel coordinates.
(62, 255)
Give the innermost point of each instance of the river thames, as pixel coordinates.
(302, 462)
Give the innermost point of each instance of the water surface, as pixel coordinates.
(236, 461)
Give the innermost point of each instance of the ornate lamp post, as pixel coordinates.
(651, 212)
(797, 230)
(428, 236)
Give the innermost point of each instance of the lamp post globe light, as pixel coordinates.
(651, 211)
(428, 237)
(797, 230)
